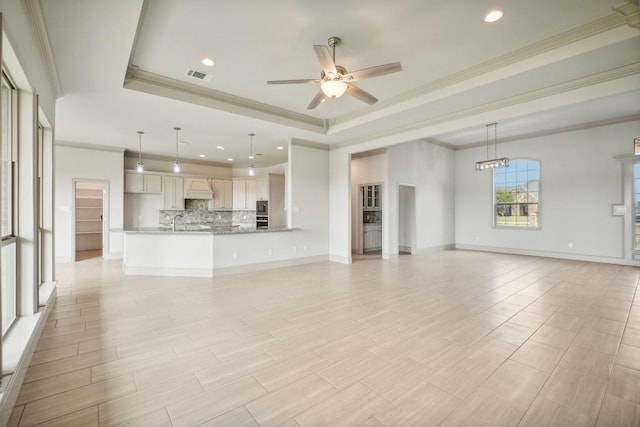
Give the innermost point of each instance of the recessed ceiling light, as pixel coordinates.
(202, 156)
(184, 143)
(230, 159)
(279, 147)
(220, 147)
(208, 62)
(493, 15)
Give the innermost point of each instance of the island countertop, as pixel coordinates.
(205, 229)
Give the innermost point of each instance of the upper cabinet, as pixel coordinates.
(173, 192)
(371, 197)
(244, 195)
(262, 188)
(142, 183)
(222, 195)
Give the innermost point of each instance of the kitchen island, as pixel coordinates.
(205, 251)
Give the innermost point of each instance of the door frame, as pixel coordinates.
(400, 211)
(105, 214)
(361, 212)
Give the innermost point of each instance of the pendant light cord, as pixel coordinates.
(140, 146)
(176, 129)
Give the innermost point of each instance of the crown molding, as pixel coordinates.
(310, 144)
(90, 146)
(35, 16)
(548, 132)
(615, 74)
(630, 11)
(145, 81)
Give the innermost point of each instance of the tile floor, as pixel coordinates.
(453, 338)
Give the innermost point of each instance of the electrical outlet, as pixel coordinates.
(235, 255)
(304, 248)
(270, 251)
(570, 245)
(295, 249)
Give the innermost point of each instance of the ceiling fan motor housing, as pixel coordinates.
(341, 72)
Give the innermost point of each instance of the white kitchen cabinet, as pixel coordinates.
(172, 192)
(371, 197)
(262, 188)
(244, 195)
(142, 183)
(222, 195)
(372, 237)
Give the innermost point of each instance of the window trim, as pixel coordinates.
(493, 198)
(634, 249)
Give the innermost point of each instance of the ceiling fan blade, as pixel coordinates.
(360, 94)
(288, 82)
(326, 61)
(367, 73)
(317, 100)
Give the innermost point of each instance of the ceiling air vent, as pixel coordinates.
(199, 75)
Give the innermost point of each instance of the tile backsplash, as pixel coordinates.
(197, 212)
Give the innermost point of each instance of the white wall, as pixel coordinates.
(309, 197)
(430, 168)
(72, 162)
(580, 180)
(364, 170)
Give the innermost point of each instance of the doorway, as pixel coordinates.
(89, 219)
(406, 219)
(370, 223)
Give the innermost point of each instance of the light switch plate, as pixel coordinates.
(618, 210)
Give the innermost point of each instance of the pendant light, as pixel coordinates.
(139, 164)
(495, 162)
(176, 162)
(252, 171)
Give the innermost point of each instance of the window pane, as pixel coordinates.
(636, 204)
(517, 193)
(8, 286)
(6, 183)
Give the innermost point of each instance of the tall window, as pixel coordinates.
(636, 204)
(516, 195)
(7, 153)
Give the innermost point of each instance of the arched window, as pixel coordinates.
(516, 194)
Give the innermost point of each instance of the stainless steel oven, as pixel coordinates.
(262, 214)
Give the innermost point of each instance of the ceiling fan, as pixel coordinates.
(335, 80)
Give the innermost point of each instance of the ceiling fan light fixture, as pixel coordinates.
(333, 88)
(252, 171)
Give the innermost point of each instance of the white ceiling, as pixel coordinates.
(121, 67)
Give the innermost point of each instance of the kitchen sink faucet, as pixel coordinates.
(173, 221)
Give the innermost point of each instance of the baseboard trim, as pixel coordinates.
(439, 248)
(168, 272)
(18, 348)
(549, 254)
(340, 259)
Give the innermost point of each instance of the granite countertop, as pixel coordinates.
(204, 229)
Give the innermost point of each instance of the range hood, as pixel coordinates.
(198, 188)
